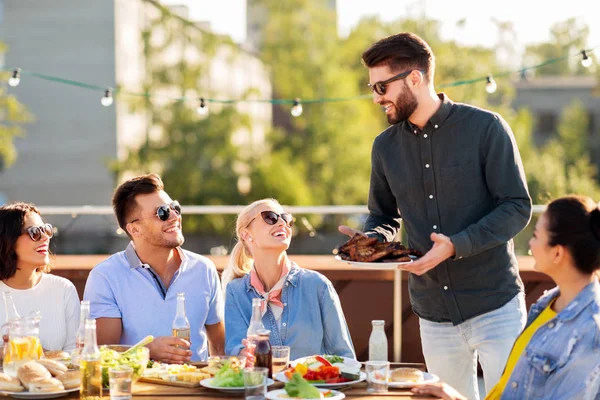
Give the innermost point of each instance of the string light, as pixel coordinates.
(107, 99)
(15, 78)
(586, 60)
(490, 85)
(202, 109)
(296, 108)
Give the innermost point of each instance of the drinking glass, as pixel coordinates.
(377, 376)
(255, 383)
(119, 379)
(281, 357)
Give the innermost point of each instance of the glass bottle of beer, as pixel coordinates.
(263, 352)
(255, 322)
(181, 325)
(84, 313)
(90, 365)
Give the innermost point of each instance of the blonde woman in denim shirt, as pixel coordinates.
(301, 308)
(557, 355)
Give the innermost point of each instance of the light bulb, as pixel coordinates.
(107, 99)
(490, 86)
(15, 78)
(202, 109)
(586, 60)
(296, 108)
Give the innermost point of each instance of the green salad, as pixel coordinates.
(137, 360)
(300, 388)
(228, 376)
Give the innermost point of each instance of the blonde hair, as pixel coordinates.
(240, 260)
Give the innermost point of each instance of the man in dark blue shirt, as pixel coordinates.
(453, 174)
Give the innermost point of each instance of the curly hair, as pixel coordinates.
(12, 217)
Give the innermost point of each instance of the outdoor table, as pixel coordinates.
(151, 391)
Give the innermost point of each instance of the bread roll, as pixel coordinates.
(57, 355)
(10, 384)
(70, 379)
(56, 368)
(407, 375)
(46, 385)
(32, 371)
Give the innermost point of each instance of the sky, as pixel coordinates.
(532, 19)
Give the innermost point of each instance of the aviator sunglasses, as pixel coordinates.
(380, 87)
(36, 232)
(271, 218)
(164, 212)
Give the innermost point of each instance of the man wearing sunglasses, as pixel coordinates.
(134, 292)
(453, 174)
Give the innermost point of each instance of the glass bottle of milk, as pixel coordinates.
(378, 345)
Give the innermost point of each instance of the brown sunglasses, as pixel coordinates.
(380, 87)
(271, 218)
(36, 232)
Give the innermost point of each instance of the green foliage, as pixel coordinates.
(13, 114)
(567, 37)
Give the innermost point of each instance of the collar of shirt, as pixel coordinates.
(583, 300)
(292, 277)
(436, 119)
(134, 261)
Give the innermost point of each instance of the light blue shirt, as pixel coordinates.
(312, 321)
(562, 359)
(123, 287)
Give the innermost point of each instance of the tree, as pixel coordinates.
(567, 38)
(13, 115)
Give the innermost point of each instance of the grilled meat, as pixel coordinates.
(368, 249)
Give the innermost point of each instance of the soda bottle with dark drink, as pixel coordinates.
(263, 352)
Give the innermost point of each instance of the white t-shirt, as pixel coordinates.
(57, 300)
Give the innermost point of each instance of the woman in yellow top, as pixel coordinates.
(557, 356)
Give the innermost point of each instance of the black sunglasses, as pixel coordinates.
(36, 232)
(379, 87)
(271, 218)
(164, 212)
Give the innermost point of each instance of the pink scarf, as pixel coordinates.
(273, 296)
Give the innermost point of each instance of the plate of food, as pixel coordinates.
(298, 388)
(42, 379)
(211, 383)
(402, 378)
(324, 371)
(368, 252)
(228, 377)
(376, 265)
(330, 394)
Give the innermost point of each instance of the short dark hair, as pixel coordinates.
(12, 218)
(574, 222)
(124, 197)
(403, 51)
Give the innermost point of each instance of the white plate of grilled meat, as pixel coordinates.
(368, 252)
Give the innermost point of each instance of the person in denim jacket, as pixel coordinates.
(300, 307)
(560, 358)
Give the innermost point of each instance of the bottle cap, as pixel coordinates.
(378, 322)
(263, 332)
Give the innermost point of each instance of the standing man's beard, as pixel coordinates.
(405, 105)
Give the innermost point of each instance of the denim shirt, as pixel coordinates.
(312, 321)
(562, 360)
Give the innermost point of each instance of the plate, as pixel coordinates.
(374, 265)
(427, 378)
(207, 383)
(281, 394)
(29, 395)
(280, 376)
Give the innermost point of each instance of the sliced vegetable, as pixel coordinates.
(323, 361)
